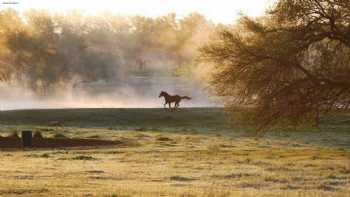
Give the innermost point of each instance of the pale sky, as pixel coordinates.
(224, 11)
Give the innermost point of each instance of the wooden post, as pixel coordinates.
(27, 138)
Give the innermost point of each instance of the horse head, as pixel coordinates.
(162, 93)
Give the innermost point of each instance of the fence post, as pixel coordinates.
(27, 138)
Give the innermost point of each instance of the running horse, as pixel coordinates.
(172, 99)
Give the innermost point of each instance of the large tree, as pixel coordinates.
(290, 66)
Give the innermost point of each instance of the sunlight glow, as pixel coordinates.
(222, 11)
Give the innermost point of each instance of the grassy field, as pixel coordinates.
(193, 152)
(209, 119)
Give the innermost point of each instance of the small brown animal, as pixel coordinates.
(172, 99)
(55, 124)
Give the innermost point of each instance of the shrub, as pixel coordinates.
(38, 135)
(59, 135)
(14, 134)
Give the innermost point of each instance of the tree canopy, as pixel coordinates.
(290, 66)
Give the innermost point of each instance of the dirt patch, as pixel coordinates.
(95, 171)
(235, 176)
(22, 191)
(84, 157)
(181, 178)
(10, 143)
(164, 139)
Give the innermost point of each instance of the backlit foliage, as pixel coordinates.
(289, 66)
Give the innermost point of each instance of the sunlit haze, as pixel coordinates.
(223, 11)
(111, 65)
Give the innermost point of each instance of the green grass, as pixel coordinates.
(200, 120)
(211, 119)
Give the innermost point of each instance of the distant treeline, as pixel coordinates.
(45, 51)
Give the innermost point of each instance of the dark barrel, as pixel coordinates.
(27, 138)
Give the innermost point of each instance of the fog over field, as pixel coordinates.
(73, 60)
(138, 92)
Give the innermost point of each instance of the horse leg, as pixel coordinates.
(170, 105)
(178, 105)
(165, 105)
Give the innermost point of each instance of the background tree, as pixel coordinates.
(291, 65)
(47, 52)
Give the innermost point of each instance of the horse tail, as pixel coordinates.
(186, 97)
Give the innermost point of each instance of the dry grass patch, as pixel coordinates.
(199, 165)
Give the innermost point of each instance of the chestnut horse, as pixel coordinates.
(172, 99)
